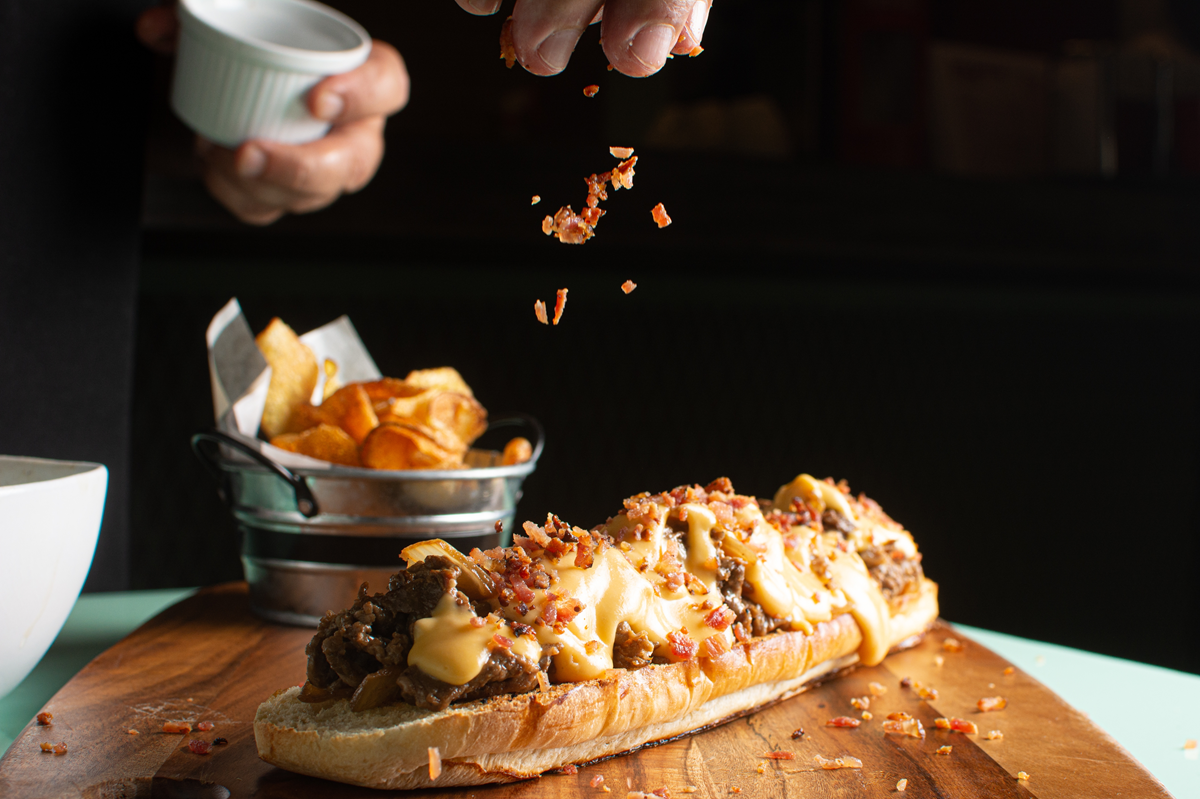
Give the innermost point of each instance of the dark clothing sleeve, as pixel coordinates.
(73, 98)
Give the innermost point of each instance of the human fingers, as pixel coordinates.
(545, 32)
(158, 29)
(377, 88)
(480, 7)
(640, 34)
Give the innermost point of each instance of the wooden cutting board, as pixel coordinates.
(209, 659)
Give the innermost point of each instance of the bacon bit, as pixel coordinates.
(682, 645)
(899, 715)
(569, 227)
(570, 768)
(435, 763)
(781, 755)
(622, 176)
(205, 726)
(762, 768)
(177, 727)
(720, 618)
(133, 732)
(1022, 776)
(628, 286)
(713, 647)
(939, 661)
(220, 741)
(906, 682)
(927, 692)
(45, 719)
(592, 647)
(842, 721)
(735, 789)
(609, 67)
(902, 785)
(502, 641)
(46, 747)
(910, 727)
(537, 198)
(1009, 671)
(942, 723)
(543, 682)
(523, 592)
(838, 762)
(860, 702)
(945, 750)
(477, 622)
(876, 689)
(797, 733)
(539, 307)
(199, 747)
(953, 645)
(992, 703)
(695, 51)
(994, 735)
(597, 780)
(867, 716)
(508, 50)
(964, 726)
(660, 215)
(591, 91)
(620, 152)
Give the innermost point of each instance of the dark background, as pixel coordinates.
(999, 347)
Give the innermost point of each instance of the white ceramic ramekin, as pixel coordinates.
(49, 520)
(243, 67)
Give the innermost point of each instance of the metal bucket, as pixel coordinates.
(310, 537)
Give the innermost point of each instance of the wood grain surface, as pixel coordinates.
(209, 659)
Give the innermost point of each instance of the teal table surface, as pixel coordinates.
(1151, 711)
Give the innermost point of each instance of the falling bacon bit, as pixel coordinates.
(860, 702)
(1022, 776)
(945, 750)
(910, 727)
(537, 198)
(682, 645)
(902, 785)
(435, 763)
(609, 68)
(45, 719)
(199, 747)
(597, 780)
(994, 735)
(780, 755)
(1009, 671)
(622, 176)
(842, 721)
(992, 703)
(876, 689)
(568, 226)
(628, 286)
(508, 50)
(205, 726)
(620, 152)
(560, 303)
(953, 645)
(591, 91)
(660, 215)
(177, 727)
(797, 733)
(539, 310)
(838, 762)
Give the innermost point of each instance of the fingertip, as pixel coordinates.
(250, 161)
(327, 104)
(552, 54)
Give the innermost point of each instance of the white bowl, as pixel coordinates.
(243, 67)
(49, 520)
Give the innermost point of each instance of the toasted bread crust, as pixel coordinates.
(518, 737)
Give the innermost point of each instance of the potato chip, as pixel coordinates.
(294, 372)
(446, 378)
(391, 388)
(516, 451)
(456, 414)
(399, 446)
(352, 410)
(323, 442)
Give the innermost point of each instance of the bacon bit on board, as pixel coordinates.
(220, 741)
(876, 689)
(899, 715)
(910, 727)
(953, 645)
(780, 754)
(591, 91)
(620, 152)
(570, 768)
(508, 50)
(927, 692)
(964, 726)
(1009, 671)
(435, 763)
(682, 645)
(945, 750)
(539, 310)
(902, 785)
(535, 199)
(906, 682)
(45, 719)
(838, 762)
(199, 747)
(560, 304)
(860, 702)
(205, 726)
(597, 781)
(133, 732)
(46, 747)
(660, 215)
(797, 733)
(762, 768)
(994, 735)
(842, 721)
(177, 727)
(992, 703)
(628, 286)
(1022, 776)
(867, 715)
(735, 789)
(939, 661)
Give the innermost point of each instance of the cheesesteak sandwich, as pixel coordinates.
(686, 609)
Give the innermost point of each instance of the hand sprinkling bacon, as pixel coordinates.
(560, 304)
(660, 215)
(591, 91)
(539, 310)
(628, 286)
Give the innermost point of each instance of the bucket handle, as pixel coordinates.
(523, 420)
(305, 502)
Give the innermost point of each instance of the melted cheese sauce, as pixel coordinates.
(638, 582)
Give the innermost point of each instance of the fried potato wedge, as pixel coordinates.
(294, 373)
(324, 442)
(352, 410)
(445, 378)
(459, 415)
(401, 446)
